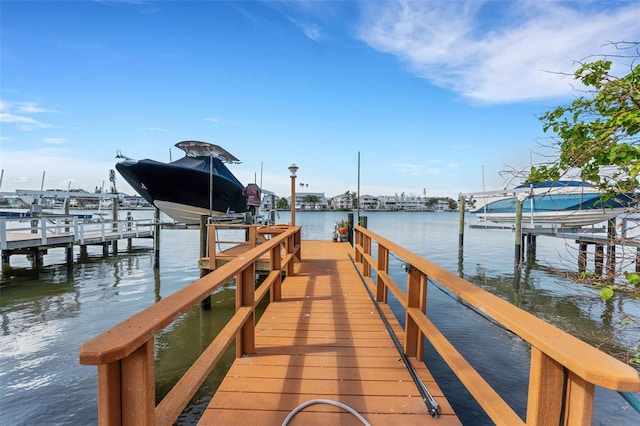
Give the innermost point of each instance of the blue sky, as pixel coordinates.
(429, 92)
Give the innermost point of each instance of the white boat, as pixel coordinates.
(567, 203)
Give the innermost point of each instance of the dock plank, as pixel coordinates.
(324, 340)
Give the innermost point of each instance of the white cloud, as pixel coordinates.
(58, 170)
(19, 113)
(29, 108)
(54, 141)
(516, 59)
(21, 121)
(311, 31)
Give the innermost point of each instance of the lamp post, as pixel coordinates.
(293, 169)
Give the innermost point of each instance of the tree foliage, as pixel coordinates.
(599, 132)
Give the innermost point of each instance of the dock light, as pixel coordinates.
(293, 169)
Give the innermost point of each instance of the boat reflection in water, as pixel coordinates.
(197, 184)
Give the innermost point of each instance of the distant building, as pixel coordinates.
(401, 202)
(369, 202)
(310, 201)
(132, 201)
(342, 202)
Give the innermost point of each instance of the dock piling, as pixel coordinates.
(461, 224)
(206, 302)
(156, 239)
(518, 231)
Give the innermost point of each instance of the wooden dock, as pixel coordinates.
(65, 231)
(324, 340)
(321, 339)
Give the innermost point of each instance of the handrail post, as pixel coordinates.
(383, 266)
(416, 298)
(109, 395)
(546, 378)
(43, 226)
(291, 246)
(211, 245)
(3, 234)
(276, 265)
(366, 247)
(245, 295)
(252, 236)
(297, 238)
(138, 386)
(75, 228)
(579, 401)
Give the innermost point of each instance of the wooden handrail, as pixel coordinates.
(553, 353)
(124, 353)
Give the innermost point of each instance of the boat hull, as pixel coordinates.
(567, 206)
(564, 218)
(185, 189)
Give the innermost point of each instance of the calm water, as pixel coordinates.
(46, 319)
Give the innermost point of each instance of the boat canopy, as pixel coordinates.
(557, 184)
(204, 149)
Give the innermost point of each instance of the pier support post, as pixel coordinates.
(518, 231)
(69, 256)
(461, 223)
(611, 248)
(37, 261)
(350, 231)
(638, 259)
(362, 221)
(156, 239)
(531, 246)
(206, 302)
(114, 215)
(599, 260)
(6, 260)
(582, 257)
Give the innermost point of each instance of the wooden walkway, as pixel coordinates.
(324, 340)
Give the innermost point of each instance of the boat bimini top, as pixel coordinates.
(204, 149)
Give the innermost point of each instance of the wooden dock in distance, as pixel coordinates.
(324, 340)
(65, 231)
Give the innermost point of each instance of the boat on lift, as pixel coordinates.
(195, 185)
(567, 203)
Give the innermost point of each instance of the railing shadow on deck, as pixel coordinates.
(124, 354)
(563, 369)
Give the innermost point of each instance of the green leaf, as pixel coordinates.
(633, 278)
(606, 293)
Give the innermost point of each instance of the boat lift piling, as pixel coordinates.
(520, 241)
(518, 232)
(156, 239)
(461, 206)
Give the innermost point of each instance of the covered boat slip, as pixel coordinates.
(324, 340)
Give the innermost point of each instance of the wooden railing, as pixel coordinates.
(563, 369)
(125, 353)
(47, 227)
